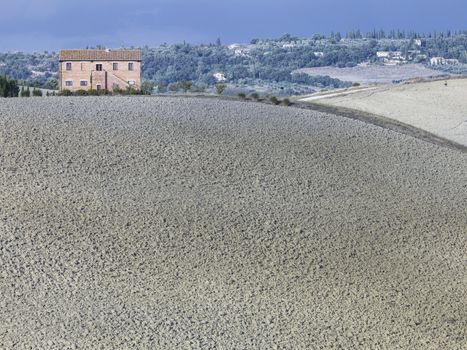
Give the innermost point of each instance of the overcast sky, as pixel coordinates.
(30, 25)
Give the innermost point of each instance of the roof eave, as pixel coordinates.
(94, 60)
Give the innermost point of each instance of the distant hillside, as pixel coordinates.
(267, 62)
(38, 69)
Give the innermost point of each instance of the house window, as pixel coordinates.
(98, 67)
(130, 66)
(83, 83)
(69, 83)
(115, 66)
(68, 66)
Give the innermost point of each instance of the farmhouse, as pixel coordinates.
(99, 69)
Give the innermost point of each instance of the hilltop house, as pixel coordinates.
(99, 69)
(239, 50)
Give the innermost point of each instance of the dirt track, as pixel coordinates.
(172, 223)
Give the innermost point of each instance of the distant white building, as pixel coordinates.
(239, 50)
(220, 77)
(418, 42)
(436, 61)
(35, 73)
(382, 54)
(319, 54)
(391, 57)
(441, 61)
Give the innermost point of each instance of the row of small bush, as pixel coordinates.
(273, 99)
(103, 92)
(26, 92)
(184, 86)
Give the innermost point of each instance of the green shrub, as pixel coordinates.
(220, 88)
(147, 87)
(161, 88)
(130, 90)
(185, 85)
(286, 102)
(241, 96)
(355, 84)
(65, 92)
(255, 96)
(36, 92)
(174, 87)
(92, 92)
(81, 93)
(25, 92)
(117, 91)
(274, 100)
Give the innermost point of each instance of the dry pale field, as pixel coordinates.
(430, 106)
(168, 223)
(375, 74)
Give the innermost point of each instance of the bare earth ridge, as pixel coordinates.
(375, 74)
(166, 223)
(439, 107)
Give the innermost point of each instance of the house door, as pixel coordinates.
(98, 87)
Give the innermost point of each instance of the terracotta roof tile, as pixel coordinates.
(100, 55)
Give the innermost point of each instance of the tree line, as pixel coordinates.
(8, 87)
(262, 61)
